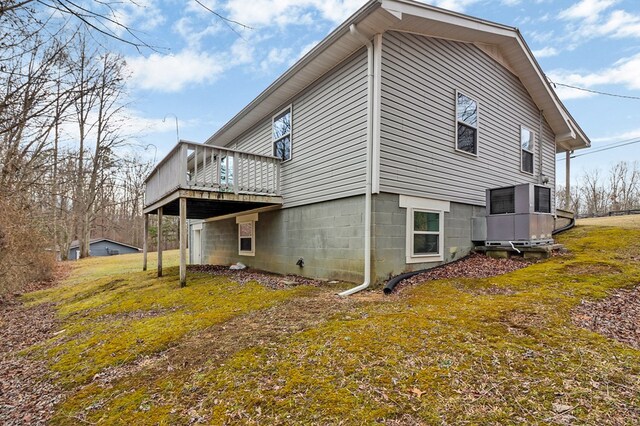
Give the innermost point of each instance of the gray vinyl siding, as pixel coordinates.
(420, 76)
(328, 140)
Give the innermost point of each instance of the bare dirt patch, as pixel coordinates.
(473, 266)
(258, 328)
(519, 323)
(197, 353)
(243, 276)
(591, 268)
(617, 316)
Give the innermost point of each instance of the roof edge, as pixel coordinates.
(311, 55)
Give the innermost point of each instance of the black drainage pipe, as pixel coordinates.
(391, 284)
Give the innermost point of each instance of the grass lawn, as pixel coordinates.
(134, 349)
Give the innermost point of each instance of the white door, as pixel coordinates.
(197, 247)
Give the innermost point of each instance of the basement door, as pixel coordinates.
(197, 247)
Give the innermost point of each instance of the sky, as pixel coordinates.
(203, 70)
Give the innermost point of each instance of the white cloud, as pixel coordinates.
(588, 10)
(187, 29)
(510, 2)
(546, 52)
(275, 58)
(141, 15)
(172, 73)
(242, 52)
(620, 24)
(589, 19)
(456, 5)
(263, 13)
(625, 72)
(541, 36)
(307, 48)
(631, 134)
(201, 9)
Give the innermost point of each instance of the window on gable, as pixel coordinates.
(246, 238)
(467, 124)
(527, 140)
(281, 130)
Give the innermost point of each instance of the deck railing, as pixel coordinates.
(195, 166)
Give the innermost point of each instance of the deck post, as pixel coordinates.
(183, 242)
(159, 242)
(145, 242)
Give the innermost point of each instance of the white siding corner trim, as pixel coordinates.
(413, 204)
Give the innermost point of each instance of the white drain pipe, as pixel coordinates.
(367, 197)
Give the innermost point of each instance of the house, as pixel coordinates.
(370, 156)
(101, 247)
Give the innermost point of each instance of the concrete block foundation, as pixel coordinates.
(329, 237)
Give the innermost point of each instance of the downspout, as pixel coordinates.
(367, 196)
(540, 149)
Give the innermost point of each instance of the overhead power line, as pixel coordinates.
(618, 144)
(597, 92)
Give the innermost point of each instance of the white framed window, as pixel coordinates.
(425, 229)
(467, 120)
(527, 144)
(281, 134)
(247, 234)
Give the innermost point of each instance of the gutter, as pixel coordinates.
(367, 197)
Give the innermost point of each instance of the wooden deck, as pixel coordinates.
(215, 177)
(196, 181)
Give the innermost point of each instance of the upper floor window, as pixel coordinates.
(467, 124)
(281, 130)
(527, 138)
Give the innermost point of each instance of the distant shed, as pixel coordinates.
(102, 247)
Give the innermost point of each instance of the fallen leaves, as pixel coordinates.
(473, 266)
(417, 392)
(27, 395)
(617, 316)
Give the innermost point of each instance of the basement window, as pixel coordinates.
(247, 234)
(527, 140)
(426, 233)
(281, 132)
(467, 124)
(425, 229)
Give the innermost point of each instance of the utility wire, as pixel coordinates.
(597, 92)
(606, 148)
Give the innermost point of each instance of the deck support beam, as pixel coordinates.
(183, 242)
(159, 242)
(145, 242)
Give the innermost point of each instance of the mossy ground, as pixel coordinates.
(140, 350)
